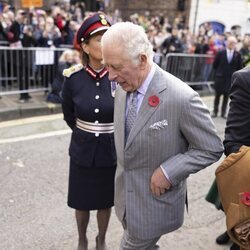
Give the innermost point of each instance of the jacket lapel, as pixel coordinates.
(120, 106)
(156, 87)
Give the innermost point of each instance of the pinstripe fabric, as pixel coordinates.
(130, 243)
(186, 145)
(132, 112)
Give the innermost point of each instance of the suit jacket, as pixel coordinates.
(224, 70)
(238, 122)
(185, 144)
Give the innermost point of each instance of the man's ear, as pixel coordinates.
(143, 61)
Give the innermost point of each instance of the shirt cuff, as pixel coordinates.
(165, 173)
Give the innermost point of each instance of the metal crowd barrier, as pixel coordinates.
(194, 69)
(26, 70)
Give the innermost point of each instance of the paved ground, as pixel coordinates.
(10, 108)
(33, 182)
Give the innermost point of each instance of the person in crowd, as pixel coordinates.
(214, 198)
(49, 38)
(39, 27)
(5, 64)
(245, 51)
(237, 131)
(209, 49)
(27, 68)
(157, 118)
(225, 63)
(88, 103)
(65, 61)
(5, 23)
(22, 37)
(173, 43)
(68, 31)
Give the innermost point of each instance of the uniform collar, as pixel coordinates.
(94, 74)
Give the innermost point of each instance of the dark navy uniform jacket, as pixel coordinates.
(90, 99)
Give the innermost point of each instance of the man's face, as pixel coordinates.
(21, 16)
(231, 43)
(121, 68)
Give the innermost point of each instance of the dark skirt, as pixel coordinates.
(213, 196)
(90, 188)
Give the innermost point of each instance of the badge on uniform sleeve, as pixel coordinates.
(113, 87)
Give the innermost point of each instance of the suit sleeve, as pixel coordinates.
(238, 121)
(204, 145)
(68, 104)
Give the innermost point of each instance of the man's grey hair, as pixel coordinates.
(131, 38)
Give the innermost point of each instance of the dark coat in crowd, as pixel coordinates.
(56, 87)
(172, 44)
(237, 131)
(224, 70)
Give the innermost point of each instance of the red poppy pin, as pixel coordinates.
(153, 100)
(245, 198)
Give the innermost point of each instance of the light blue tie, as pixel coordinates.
(132, 112)
(230, 56)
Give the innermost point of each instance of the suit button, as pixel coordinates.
(97, 97)
(97, 84)
(96, 134)
(96, 122)
(96, 110)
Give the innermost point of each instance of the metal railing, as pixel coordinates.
(194, 69)
(26, 70)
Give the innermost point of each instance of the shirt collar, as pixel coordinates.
(144, 87)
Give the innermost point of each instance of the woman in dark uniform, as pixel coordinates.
(88, 103)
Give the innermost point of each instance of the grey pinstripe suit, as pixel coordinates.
(186, 145)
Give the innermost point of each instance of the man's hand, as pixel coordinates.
(159, 183)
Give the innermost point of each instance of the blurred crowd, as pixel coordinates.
(57, 27)
(44, 28)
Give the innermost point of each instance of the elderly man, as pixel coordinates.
(163, 133)
(226, 62)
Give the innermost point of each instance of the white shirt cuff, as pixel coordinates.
(165, 173)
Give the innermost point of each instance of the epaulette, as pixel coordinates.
(73, 69)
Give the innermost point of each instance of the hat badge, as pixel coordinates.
(103, 20)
